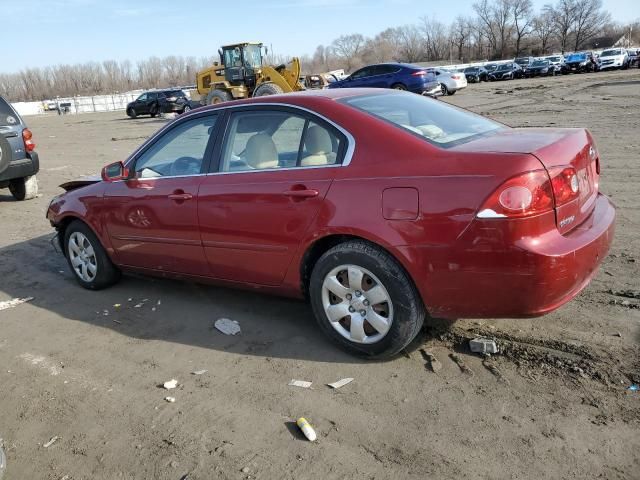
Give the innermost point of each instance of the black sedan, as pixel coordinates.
(540, 68)
(476, 74)
(159, 101)
(506, 71)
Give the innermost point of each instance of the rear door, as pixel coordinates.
(275, 168)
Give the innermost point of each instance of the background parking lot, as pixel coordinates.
(555, 404)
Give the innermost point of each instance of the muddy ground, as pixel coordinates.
(555, 404)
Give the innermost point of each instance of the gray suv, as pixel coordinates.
(18, 161)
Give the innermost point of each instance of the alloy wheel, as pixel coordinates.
(357, 304)
(82, 256)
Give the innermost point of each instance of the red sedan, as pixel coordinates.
(380, 207)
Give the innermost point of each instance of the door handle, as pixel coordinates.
(180, 196)
(306, 193)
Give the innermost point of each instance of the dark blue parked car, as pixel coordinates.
(400, 76)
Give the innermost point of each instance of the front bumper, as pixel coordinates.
(494, 274)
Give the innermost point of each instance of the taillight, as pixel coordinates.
(27, 136)
(521, 196)
(456, 77)
(419, 73)
(565, 184)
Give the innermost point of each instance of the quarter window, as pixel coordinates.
(272, 140)
(179, 152)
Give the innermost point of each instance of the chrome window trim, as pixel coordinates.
(348, 155)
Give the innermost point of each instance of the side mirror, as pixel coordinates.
(115, 171)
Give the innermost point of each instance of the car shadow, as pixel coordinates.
(176, 311)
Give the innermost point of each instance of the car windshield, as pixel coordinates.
(7, 115)
(576, 57)
(553, 59)
(173, 93)
(504, 67)
(611, 53)
(436, 122)
(471, 70)
(521, 61)
(540, 63)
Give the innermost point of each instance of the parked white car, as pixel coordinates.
(450, 82)
(614, 58)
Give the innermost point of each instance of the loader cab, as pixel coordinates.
(242, 63)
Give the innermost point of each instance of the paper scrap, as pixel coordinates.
(300, 383)
(228, 327)
(340, 383)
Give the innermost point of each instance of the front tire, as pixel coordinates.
(87, 258)
(364, 300)
(268, 88)
(132, 113)
(218, 96)
(24, 188)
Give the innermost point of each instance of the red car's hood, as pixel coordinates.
(80, 182)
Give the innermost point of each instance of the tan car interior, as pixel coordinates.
(317, 143)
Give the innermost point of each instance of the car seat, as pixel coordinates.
(317, 143)
(260, 152)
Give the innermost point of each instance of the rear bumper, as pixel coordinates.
(431, 88)
(24, 167)
(497, 276)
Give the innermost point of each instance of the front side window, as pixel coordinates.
(269, 140)
(436, 122)
(142, 97)
(252, 56)
(179, 152)
(363, 72)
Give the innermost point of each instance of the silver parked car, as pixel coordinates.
(450, 82)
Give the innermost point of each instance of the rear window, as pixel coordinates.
(576, 56)
(7, 115)
(174, 93)
(434, 121)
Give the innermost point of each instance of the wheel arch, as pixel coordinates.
(63, 223)
(319, 246)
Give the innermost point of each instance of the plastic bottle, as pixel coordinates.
(307, 429)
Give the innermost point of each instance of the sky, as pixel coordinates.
(51, 32)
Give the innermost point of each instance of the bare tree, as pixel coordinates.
(543, 27)
(589, 19)
(411, 45)
(484, 11)
(348, 49)
(460, 34)
(435, 37)
(522, 11)
(562, 15)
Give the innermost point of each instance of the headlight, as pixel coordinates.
(582, 64)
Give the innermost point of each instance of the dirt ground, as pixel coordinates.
(554, 404)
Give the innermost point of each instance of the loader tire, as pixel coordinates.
(268, 88)
(218, 96)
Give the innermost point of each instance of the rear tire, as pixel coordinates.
(392, 315)
(398, 86)
(268, 88)
(444, 89)
(87, 258)
(218, 96)
(186, 109)
(153, 111)
(24, 188)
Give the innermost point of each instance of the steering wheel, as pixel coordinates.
(186, 166)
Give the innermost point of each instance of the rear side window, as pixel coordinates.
(7, 115)
(272, 140)
(435, 122)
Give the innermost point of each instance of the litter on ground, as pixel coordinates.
(300, 383)
(307, 429)
(173, 383)
(340, 383)
(14, 302)
(170, 399)
(199, 372)
(483, 345)
(51, 442)
(228, 327)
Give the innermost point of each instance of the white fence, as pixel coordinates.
(98, 103)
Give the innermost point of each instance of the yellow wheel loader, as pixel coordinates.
(242, 74)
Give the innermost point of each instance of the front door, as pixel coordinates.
(152, 218)
(274, 170)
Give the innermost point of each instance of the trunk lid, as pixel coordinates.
(555, 149)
